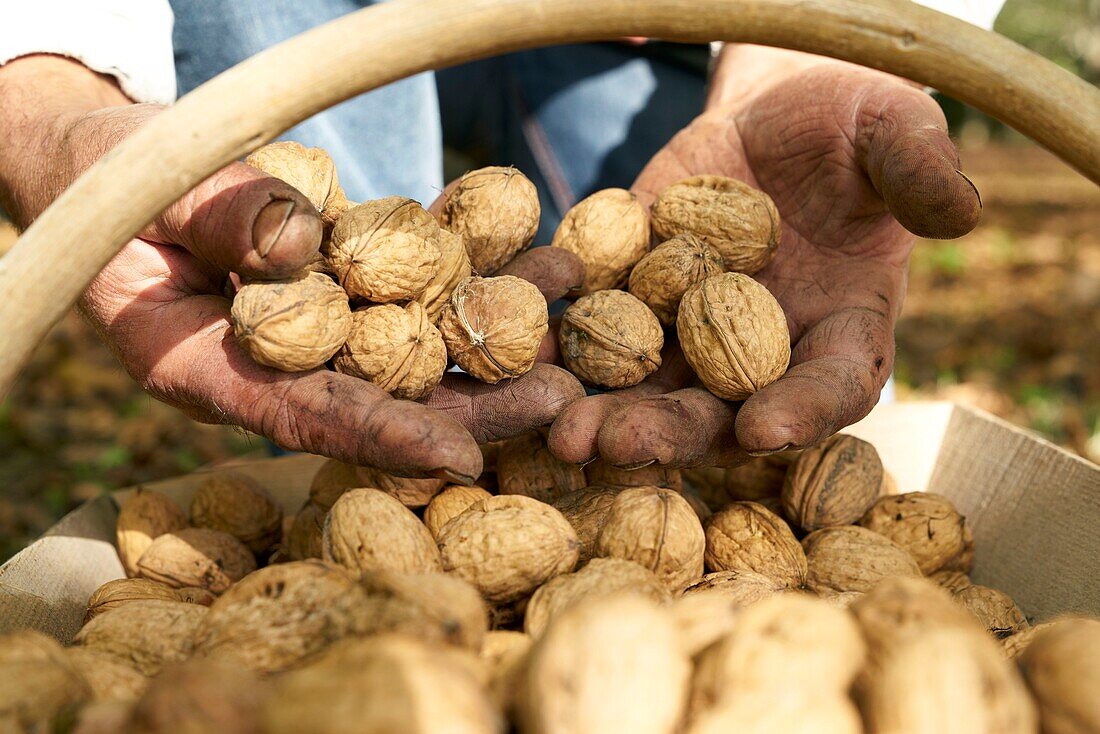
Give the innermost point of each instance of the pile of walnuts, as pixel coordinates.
(797, 593)
(398, 294)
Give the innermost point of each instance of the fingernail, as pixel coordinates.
(454, 477)
(633, 467)
(976, 192)
(270, 224)
(769, 452)
(586, 462)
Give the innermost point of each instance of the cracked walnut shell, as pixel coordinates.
(737, 220)
(610, 339)
(396, 348)
(496, 212)
(661, 278)
(609, 232)
(239, 505)
(368, 530)
(833, 483)
(927, 525)
(493, 326)
(384, 250)
(734, 335)
(292, 325)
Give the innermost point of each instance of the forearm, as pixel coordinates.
(42, 98)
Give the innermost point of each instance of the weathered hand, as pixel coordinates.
(853, 158)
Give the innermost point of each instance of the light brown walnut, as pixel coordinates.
(609, 232)
(661, 278)
(496, 212)
(610, 339)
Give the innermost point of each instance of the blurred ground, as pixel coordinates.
(1007, 318)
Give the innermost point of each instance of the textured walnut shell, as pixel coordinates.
(431, 607)
(504, 653)
(1062, 669)
(599, 577)
(737, 220)
(208, 559)
(734, 335)
(496, 212)
(742, 586)
(833, 483)
(944, 681)
(661, 278)
(239, 505)
(791, 640)
(508, 546)
(449, 504)
(292, 325)
(708, 482)
(117, 592)
(384, 250)
(304, 538)
(526, 466)
(703, 618)
(280, 615)
(493, 326)
(199, 696)
(609, 232)
(108, 679)
(952, 581)
(586, 509)
(39, 686)
(926, 525)
(382, 683)
(746, 536)
(601, 473)
(310, 170)
(144, 516)
(759, 478)
(606, 664)
(964, 561)
(610, 339)
(146, 635)
(851, 558)
(994, 610)
(368, 530)
(335, 477)
(396, 348)
(454, 267)
(793, 712)
(658, 529)
(1013, 645)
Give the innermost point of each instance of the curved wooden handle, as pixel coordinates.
(252, 103)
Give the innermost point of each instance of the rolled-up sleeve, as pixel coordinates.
(130, 40)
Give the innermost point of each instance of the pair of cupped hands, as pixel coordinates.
(853, 159)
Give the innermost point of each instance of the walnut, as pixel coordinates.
(661, 278)
(117, 592)
(947, 680)
(397, 348)
(449, 504)
(734, 335)
(953, 581)
(708, 482)
(496, 212)
(39, 687)
(737, 220)
(280, 615)
(796, 711)
(1062, 669)
(146, 635)
(609, 232)
(493, 326)
(601, 473)
(926, 525)
(504, 652)
(304, 538)
(208, 559)
(454, 267)
(599, 577)
(200, 695)
(611, 663)
(368, 530)
(742, 586)
(851, 558)
(1013, 645)
(658, 529)
(239, 505)
(384, 250)
(335, 477)
(292, 325)
(993, 609)
(432, 607)
(526, 466)
(759, 478)
(108, 678)
(586, 509)
(381, 683)
(144, 516)
(610, 339)
(964, 561)
(508, 546)
(833, 483)
(746, 536)
(310, 170)
(702, 509)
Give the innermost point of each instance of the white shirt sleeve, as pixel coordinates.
(130, 40)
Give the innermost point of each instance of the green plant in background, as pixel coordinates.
(1065, 31)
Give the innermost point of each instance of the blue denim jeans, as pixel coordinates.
(573, 118)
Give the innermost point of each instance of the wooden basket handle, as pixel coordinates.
(255, 101)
